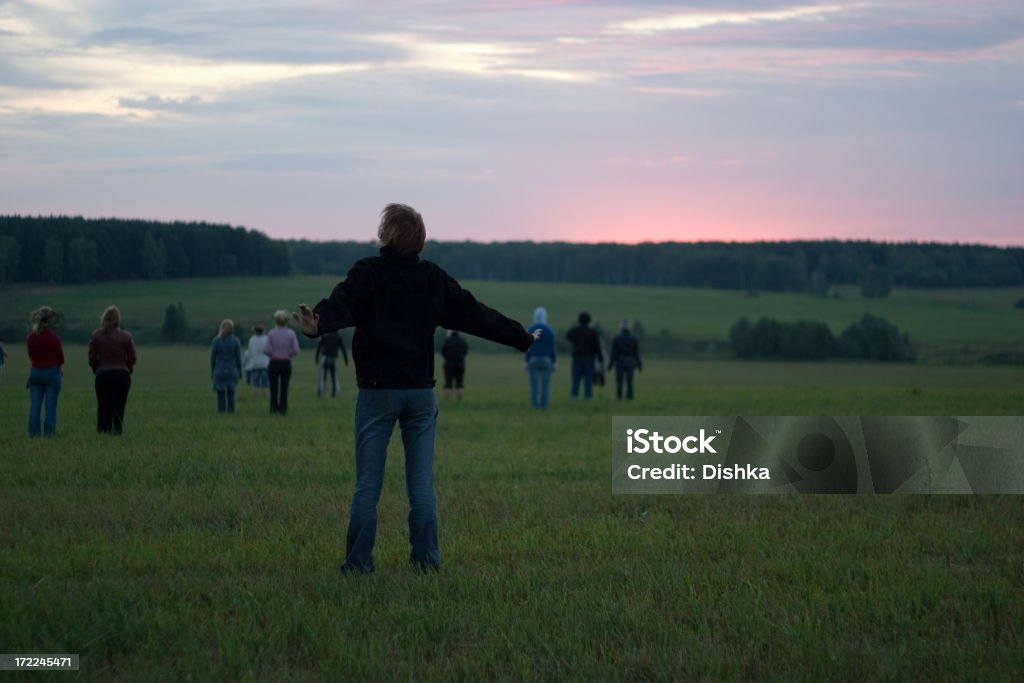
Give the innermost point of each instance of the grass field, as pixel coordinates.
(958, 324)
(203, 547)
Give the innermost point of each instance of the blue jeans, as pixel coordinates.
(43, 387)
(377, 410)
(260, 378)
(583, 369)
(540, 368)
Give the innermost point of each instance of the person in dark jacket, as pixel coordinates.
(112, 358)
(586, 352)
(329, 346)
(396, 301)
(625, 359)
(454, 352)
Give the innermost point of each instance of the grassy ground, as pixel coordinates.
(951, 323)
(203, 547)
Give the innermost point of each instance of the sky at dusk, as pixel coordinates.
(522, 119)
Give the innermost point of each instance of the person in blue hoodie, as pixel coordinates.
(540, 360)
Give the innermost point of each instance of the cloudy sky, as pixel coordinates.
(522, 119)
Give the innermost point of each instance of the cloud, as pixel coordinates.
(692, 21)
(679, 92)
(144, 63)
(109, 81)
(482, 59)
(157, 103)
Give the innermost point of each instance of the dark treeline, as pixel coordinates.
(871, 338)
(767, 266)
(62, 249)
(71, 249)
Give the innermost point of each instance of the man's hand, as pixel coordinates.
(536, 334)
(307, 320)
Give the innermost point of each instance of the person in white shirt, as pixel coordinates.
(259, 361)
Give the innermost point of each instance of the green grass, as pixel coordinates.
(950, 323)
(203, 547)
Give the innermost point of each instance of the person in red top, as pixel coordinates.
(112, 359)
(47, 356)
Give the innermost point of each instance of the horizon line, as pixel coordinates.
(779, 240)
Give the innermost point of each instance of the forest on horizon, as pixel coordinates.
(66, 249)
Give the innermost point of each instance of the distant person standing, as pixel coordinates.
(625, 359)
(112, 359)
(247, 366)
(454, 352)
(3, 357)
(396, 301)
(540, 359)
(282, 346)
(328, 348)
(225, 366)
(260, 361)
(46, 354)
(586, 352)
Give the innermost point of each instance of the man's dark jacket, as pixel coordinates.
(454, 351)
(625, 352)
(330, 344)
(395, 303)
(585, 342)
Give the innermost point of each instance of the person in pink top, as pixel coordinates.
(282, 345)
(47, 355)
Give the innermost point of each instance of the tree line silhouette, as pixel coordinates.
(810, 266)
(66, 249)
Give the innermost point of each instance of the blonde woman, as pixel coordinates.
(282, 345)
(46, 353)
(112, 359)
(225, 366)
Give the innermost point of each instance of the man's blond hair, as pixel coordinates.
(401, 228)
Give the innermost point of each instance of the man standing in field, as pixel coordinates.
(625, 359)
(586, 354)
(396, 301)
(454, 352)
(329, 346)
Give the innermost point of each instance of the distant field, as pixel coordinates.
(203, 547)
(954, 323)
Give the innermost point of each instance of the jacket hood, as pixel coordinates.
(540, 315)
